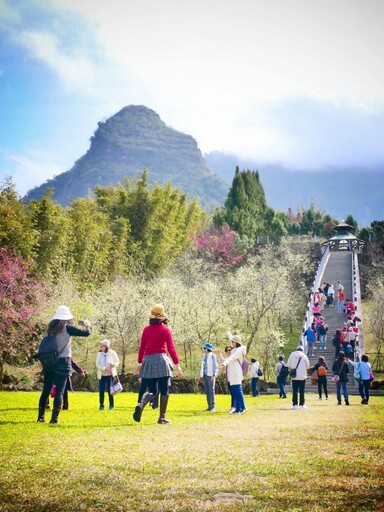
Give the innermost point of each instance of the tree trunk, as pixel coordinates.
(1, 372)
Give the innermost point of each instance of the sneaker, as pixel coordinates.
(232, 410)
(295, 407)
(346, 401)
(101, 408)
(211, 410)
(319, 398)
(302, 407)
(240, 412)
(111, 407)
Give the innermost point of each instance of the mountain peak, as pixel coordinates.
(129, 141)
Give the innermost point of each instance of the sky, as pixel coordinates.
(294, 82)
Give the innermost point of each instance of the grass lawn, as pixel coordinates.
(326, 458)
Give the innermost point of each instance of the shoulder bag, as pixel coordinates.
(292, 373)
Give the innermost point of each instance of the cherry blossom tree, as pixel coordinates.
(21, 300)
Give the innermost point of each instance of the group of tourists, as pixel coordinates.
(157, 355)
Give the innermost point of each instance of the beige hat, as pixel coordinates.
(63, 313)
(158, 312)
(105, 343)
(236, 338)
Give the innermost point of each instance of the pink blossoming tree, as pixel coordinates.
(21, 299)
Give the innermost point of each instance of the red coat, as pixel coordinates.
(157, 339)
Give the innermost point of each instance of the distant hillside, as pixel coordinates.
(338, 192)
(133, 139)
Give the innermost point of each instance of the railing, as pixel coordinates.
(356, 298)
(315, 286)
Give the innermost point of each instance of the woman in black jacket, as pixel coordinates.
(340, 368)
(62, 328)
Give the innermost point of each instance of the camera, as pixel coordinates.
(81, 322)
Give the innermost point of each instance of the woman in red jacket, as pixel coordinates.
(154, 367)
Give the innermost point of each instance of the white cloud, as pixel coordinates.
(32, 168)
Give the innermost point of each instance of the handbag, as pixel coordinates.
(116, 387)
(292, 372)
(314, 378)
(371, 376)
(336, 377)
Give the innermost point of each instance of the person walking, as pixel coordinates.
(254, 376)
(321, 368)
(363, 376)
(311, 337)
(322, 331)
(62, 328)
(299, 362)
(235, 372)
(340, 300)
(153, 363)
(107, 362)
(208, 373)
(340, 373)
(281, 370)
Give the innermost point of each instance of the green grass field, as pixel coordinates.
(326, 458)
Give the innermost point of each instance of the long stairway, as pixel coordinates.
(339, 268)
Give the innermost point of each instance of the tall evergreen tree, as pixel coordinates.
(245, 207)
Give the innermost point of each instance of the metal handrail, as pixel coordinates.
(356, 293)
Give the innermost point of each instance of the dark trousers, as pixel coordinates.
(160, 385)
(298, 388)
(281, 384)
(255, 391)
(60, 381)
(364, 386)
(106, 381)
(322, 384)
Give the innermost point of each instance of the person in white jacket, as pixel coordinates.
(235, 373)
(300, 362)
(107, 362)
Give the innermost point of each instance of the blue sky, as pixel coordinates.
(297, 82)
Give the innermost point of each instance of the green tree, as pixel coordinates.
(244, 208)
(89, 243)
(51, 231)
(16, 232)
(352, 222)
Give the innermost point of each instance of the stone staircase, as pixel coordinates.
(339, 268)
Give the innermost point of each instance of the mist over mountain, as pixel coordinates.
(128, 142)
(337, 191)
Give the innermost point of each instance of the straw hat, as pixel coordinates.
(158, 312)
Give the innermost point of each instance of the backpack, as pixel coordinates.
(47, 353)
(284, 371)
(321, 371)
(244, 366)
